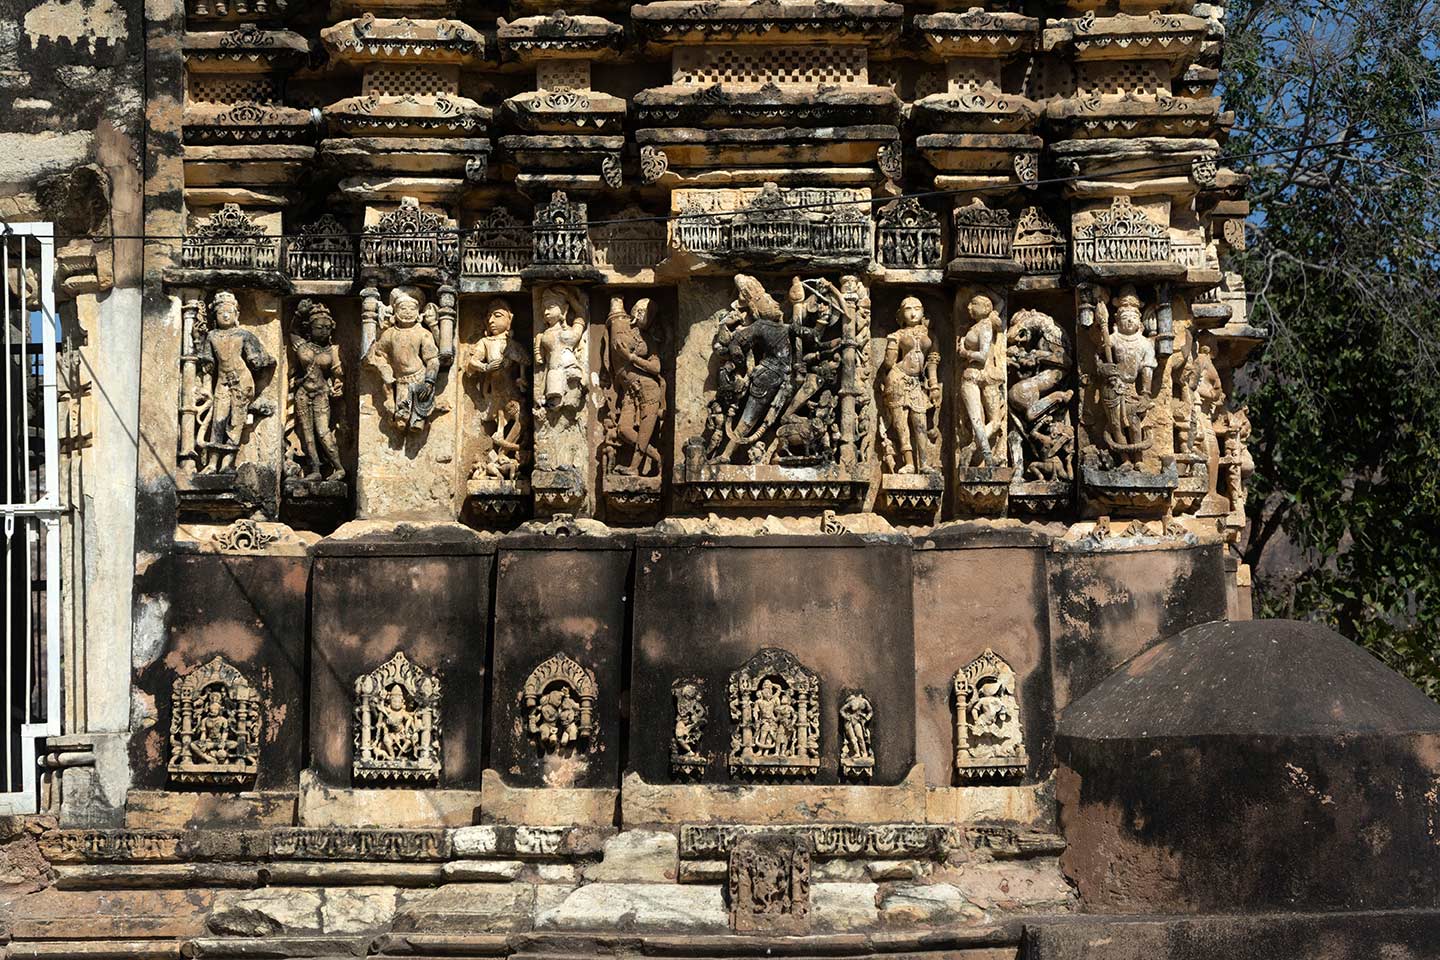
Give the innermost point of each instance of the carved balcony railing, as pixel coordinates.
(561, 235)
(323, 250)
(908, 236)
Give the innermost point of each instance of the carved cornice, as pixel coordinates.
(245, 48)
(674, 21)
(369, 38)
(533, 38)
(246, 123)
(1158, 36)
(420, 113)
(978, 33)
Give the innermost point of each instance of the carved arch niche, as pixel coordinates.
(775, 717)
(559, 703)
(214, 727)
(989, 740)
(397, 724)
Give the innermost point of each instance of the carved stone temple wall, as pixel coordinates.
(693, 479)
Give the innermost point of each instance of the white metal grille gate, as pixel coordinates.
(31, 691)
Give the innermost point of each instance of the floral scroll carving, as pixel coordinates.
(559, 702)
(989, 741)
(775, 717)
(214, 727)
(397, 723)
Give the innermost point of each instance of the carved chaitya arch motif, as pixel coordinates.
(769, 884)
(397, 723)
(775, 715)
(989, 741)
(559, 700)
(215, 718)
(691, 718)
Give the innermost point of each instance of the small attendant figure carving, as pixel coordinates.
(502, 367)
(318, 378)
(407, 357)
(233, 356)
(857, 757)
(557, 346)
(910, 389)
(1126, 368)
(981, 350)
(639, 389)
(691, 715)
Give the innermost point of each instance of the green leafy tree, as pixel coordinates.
(1344, 269)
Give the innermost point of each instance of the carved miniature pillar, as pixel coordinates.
(562, 480)
(190, 313)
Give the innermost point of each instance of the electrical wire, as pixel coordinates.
(829, 204)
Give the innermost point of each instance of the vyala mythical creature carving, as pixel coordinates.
(233, 356)
(910, 391)
(1043, 432)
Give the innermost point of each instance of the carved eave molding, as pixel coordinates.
(721, 104)
(977, 33)
(215, 124)
(246, 50)
(371, 39)
(667, 23)
(1132, 115)
(558, 36)
(565, 110)
(417, 115)
(1132, 161)
(1170, 36)
(977, 111)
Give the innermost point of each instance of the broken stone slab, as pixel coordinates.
(639, 907)
(843, 907)
(927, 904)
(466, 908)
(482, 871)
(638, 855)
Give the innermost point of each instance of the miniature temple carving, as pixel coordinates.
(501, 367)
(397, 724)
(408, 353)
(317, 379)
(857, 753)
(215, 717)
(769, 884)
(559, 702)
(691, 718)
(775, 717)
(989, 742)
(220, 385)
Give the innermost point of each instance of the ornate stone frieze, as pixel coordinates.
(769, 884)
(397, 724)
(215, 718)
(247, 123)
(857, 750)
(880, 841)
(691, 718)
(1123, 234)
(748, 224)
(411, 238)
(718, 21)
(339, 843)
(496, 245)
(775, 717)
(908, 236)
(989, 742)
(229, 240)
(559, 702)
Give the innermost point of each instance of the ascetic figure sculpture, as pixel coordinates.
(233, 356)
(910, 390)
(981, 350)
(407, 357)
(318, 378)
(639, 389)
(502, 367)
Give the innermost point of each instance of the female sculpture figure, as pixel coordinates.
(234, 355)
(910, 387)
(318, 378)
(500, 363)
(557, 358)
(982, 377)
(407, 357)
(639, 388)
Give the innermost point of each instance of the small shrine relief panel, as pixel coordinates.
(768, 884)
(775, 718)
(989, 740)
(215, 724)
(397, 725)
(557, 716)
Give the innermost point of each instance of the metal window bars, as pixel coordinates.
(31, 658)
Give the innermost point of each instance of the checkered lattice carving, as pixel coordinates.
(223, 89)
(971, 75)
(793, 65)
(1123, 77)
(1050, 78)
(928, 82)
(390, 80)
(562, 75)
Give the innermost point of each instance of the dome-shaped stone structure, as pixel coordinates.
(1268, 764)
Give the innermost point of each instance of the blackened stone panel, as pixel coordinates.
(973, 592)
(568, 597)
(1109, 604)
(251, 612)
(841, 605)
(372, 599)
